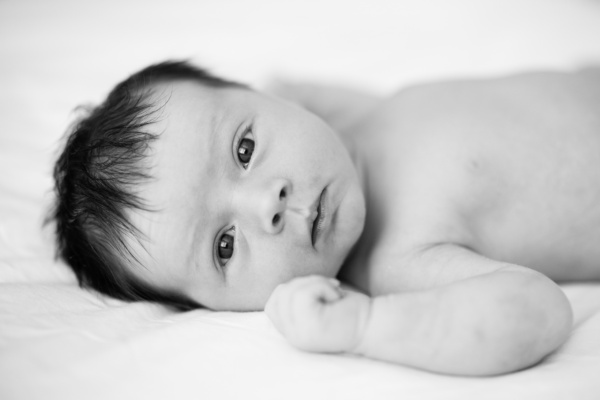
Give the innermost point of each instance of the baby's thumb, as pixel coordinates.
(330, 291)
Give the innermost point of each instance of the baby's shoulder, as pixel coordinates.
(424, 112)
(431, 153)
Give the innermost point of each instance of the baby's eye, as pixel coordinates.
(245, 148)
(225, 247)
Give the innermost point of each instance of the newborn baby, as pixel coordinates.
(450, 208)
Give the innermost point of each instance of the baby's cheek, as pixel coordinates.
(283, 260)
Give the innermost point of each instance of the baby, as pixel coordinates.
(450, 207)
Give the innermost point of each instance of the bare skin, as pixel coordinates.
(478, 194)
(453, 208)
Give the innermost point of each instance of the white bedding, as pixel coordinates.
(58, 341)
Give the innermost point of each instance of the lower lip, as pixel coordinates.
(323, 216)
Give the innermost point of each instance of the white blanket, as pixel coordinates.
(58, 341)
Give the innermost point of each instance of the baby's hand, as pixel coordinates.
(314, 314)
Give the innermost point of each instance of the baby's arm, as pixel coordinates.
(496, 322)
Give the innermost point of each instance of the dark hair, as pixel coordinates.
(95, 179)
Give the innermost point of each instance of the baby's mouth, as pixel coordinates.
(317, 226)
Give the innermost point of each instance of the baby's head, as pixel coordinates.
(189, 190)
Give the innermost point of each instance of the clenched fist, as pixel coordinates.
(315, 314)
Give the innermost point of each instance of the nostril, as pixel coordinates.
(282, 194)
(276, 219)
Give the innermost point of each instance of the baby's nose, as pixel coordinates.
(266, 205)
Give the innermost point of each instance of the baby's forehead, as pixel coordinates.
(188, 114)
(181, 111)
(185, 114)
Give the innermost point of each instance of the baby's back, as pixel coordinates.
(509, 168)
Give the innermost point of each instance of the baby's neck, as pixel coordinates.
(350, 271)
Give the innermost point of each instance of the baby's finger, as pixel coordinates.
(299, 296)
(331, 292)
(316, 290)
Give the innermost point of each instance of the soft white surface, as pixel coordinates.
(60, 342)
